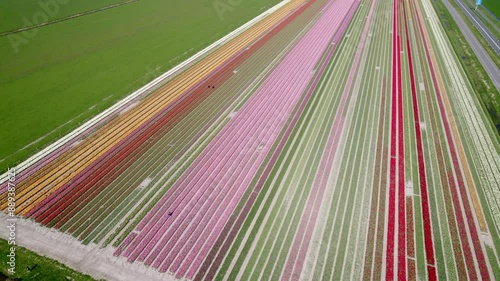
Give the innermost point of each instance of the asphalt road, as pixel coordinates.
(492, 40)
(485, 14)
(478, 49)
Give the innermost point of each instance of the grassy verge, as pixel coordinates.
(487, 94)
(493, 6)
(42, 268)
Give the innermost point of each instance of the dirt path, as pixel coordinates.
(98, 263)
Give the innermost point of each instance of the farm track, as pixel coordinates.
(332, 140)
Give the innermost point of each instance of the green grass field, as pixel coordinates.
(45, 269)
(493, 6)
(62, 74)
(17, 14)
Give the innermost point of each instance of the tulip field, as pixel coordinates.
(330, 140)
